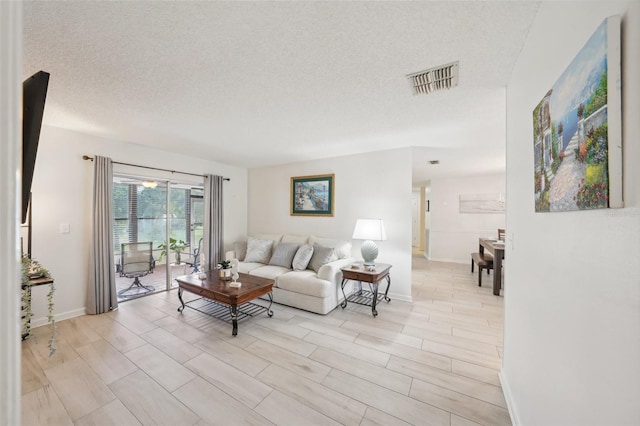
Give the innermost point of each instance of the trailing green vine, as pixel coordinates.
(32, 269)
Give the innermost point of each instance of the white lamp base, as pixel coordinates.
(369, 251)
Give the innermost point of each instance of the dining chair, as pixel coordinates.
(484, 261)
(501, 234)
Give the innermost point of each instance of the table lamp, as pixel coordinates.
(369, 230)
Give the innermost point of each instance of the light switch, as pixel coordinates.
(64, 228)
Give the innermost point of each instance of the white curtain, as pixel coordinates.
(101, 294)
(213, 230)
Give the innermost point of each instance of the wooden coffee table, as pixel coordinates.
(223, 302)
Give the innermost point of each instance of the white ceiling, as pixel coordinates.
(264, 83)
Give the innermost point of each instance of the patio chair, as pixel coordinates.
(194, 260)
(136, 260)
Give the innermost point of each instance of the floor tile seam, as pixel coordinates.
(394, 342)
(58, 393)
(491, 331)
(101, 359)
(375, 408)
(203, 349)
(472, 340)
(177, 400)
(353, 343)
(55, 391)
(152, 378)
(480, 355)
(479, 328)
(308, 357)
(361, 401)
(479, 382)
(464, 340)
(329, 390)
(58, 353)
(453, 373)
(369, 381)
(197, 375)
(448, 370)
(468, 396)
(493, 347)
(292, 337)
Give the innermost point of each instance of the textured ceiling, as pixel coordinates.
(263, 83)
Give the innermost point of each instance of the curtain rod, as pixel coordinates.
(86, 157)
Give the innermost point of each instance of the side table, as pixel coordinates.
(26, 287)
(357, 272)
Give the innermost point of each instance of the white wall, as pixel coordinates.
(572, 303)
(453, 236)
(62, 193)
(374, 185)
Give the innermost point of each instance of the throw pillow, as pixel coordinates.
(240, 250)
(283, 254)
(321, 256)
(258, 251)
(302, 257)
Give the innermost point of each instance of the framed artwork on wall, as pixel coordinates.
(312, 195)
(577, 130)
(482, 203)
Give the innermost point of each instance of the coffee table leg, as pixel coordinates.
(269, 311)
(234, 319)
(181, 308)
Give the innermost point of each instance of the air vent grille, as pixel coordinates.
(434, 79)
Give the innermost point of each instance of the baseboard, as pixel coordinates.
(508, 397)
(39, 322)
(400, 297)
(462, 262)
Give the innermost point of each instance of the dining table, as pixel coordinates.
(496, 248)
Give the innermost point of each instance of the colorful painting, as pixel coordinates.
(577, 130)
(312, 195)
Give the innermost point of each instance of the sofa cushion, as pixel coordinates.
(321, 256)
(302, 257)
(246, 268)
(240, 250)
(305, 282)
(276, 238)
(342, 248)
(283, 254)
(269, 271)
(258, 251)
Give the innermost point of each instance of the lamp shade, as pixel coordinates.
(369, 229)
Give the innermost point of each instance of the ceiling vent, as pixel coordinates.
(434, 79)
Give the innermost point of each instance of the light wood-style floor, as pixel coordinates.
(433, 361)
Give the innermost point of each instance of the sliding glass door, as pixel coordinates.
(157, 226)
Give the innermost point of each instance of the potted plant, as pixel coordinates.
(224, 269)
(31, 270)
(175, 246)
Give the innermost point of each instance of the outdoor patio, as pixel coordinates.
(157, 280)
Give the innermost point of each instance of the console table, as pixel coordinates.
(27, 287)
(358, 272)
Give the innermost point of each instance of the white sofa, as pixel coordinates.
(307, 289)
